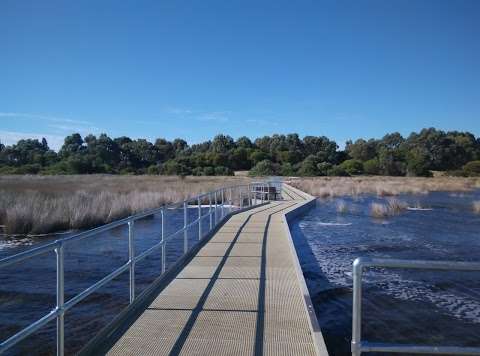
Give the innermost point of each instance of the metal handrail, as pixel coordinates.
(217, 200)
(359, 346)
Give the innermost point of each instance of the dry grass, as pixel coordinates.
(391, 208)
(476, 206)
(382, 186)
(44, 204)
(342, 207)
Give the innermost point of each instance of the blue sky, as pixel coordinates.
(192, 69)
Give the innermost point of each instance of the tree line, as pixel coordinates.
(419, 154)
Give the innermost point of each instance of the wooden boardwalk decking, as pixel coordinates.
(240, 295)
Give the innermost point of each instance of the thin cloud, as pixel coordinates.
(43, 117)
(55, 142)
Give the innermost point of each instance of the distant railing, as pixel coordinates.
(219, 202)
(359, 346)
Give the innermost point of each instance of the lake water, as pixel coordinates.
(28, 289)
(404, 306)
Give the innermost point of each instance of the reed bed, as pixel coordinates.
(46, 204)
(476, 206)
(326, 187)
(390, 208)
(342, 207)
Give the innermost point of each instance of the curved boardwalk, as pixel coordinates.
(240, 295)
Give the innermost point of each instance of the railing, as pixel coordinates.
(359, 346)
(220, 203)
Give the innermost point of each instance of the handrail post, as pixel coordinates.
(210, 210)
(164, 257)
(250, 202)
(223, 202)
(60, 300)
(268, 191)
(199, 219)
(357, 308)
(241, 199)
(185, 233)
(131, 258)
(215, 215)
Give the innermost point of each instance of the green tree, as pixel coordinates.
(265, 168)
(352, 166)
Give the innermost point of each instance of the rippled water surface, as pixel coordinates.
(403, 306)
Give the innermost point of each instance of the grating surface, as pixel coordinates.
(239, 295)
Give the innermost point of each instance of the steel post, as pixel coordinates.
(210, 210)
(199, 219)
(60, 300)
(357, 308)
(185, 232)
(223, 203)
(164, 257)
(131, 258)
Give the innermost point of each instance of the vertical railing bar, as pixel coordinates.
(60, 300)
(241, 198)
(164, 257)
(215, 215)
(223, 203)
(199, 219)
(210, 210)
(185, 233)
(131, 258)
(357, 309)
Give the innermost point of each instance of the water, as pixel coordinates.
(402, 306)
(27, 289)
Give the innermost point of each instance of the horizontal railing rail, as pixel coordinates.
(216, 202)
(359, 346)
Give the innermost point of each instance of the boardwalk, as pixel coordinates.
(240, 295)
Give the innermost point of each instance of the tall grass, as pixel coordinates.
(381, 186)
(476, 206)
(391, 208)
(44, 204)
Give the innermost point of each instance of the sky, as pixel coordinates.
(193, 69)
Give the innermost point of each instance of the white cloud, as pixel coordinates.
(20, 115)
(11, 137)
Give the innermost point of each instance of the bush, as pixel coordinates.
(371, 167)
(472, 168)
(338, 171)
(265, 168)
(352, 166)
(323, 168)
(309, 166)
(287, 169)
(154, 169)
(223, 171)
(208, 171)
